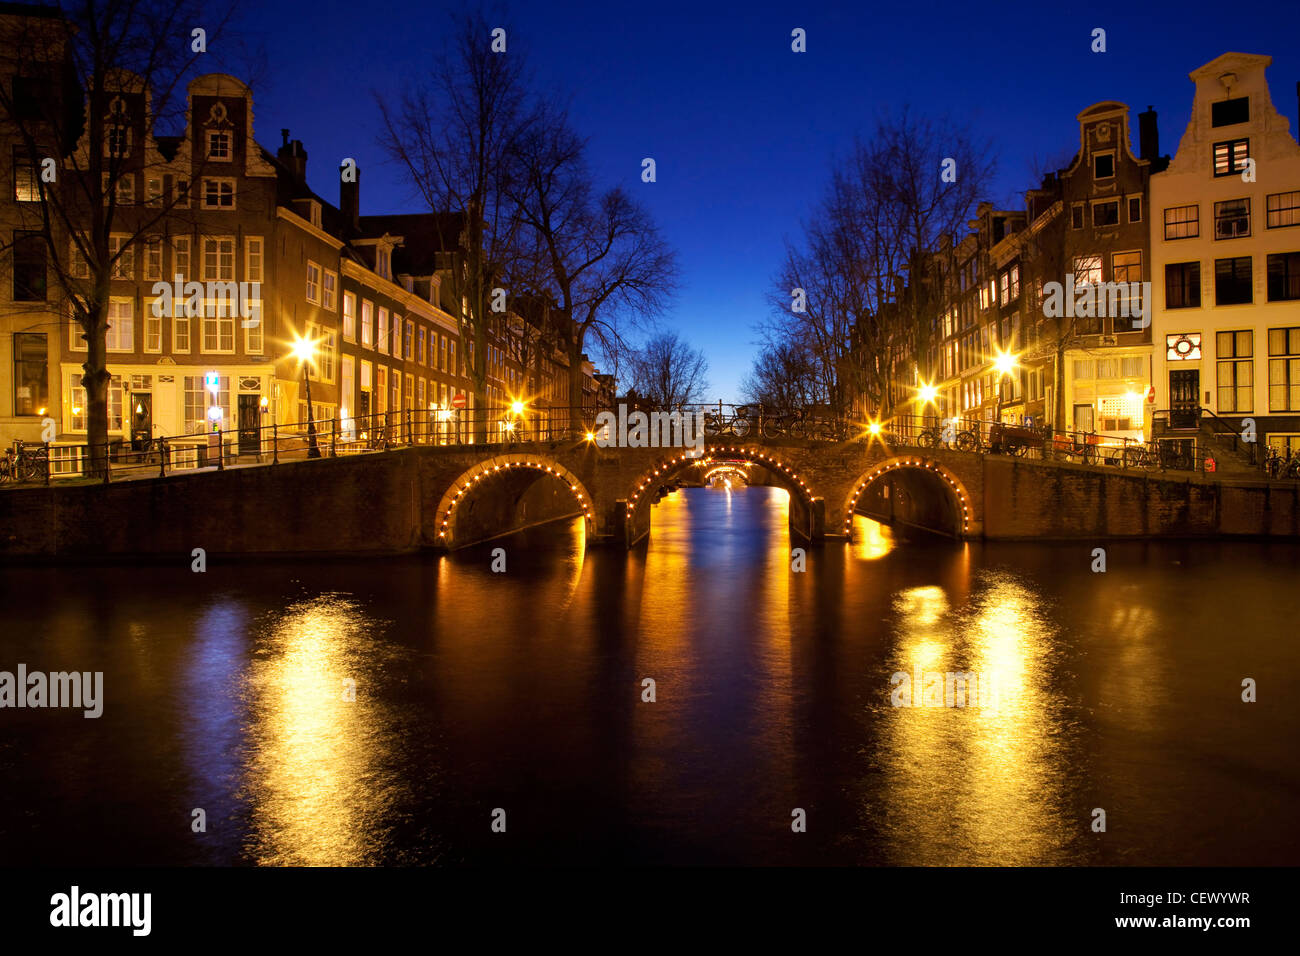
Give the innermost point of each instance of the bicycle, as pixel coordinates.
(22, 464)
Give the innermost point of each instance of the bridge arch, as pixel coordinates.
(932, 472)
(642, 497)
(468, 483)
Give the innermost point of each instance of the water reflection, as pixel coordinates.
(773, 690)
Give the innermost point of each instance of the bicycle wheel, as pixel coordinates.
(968, 441)
(740, 426)
(929, 438)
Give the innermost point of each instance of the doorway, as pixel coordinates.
(1185, 398)
(250, 424)
(141, 420)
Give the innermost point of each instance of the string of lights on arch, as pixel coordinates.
(889, 466)
(489, 469)
(755, 457)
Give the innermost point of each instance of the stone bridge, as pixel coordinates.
(476, 492)
(449, 497)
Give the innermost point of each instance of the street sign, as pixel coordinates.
(458, 400)
(211, 380)
(1151, 395)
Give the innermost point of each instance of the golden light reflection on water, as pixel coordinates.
(315, 779)
(974, 784)
(871, 539)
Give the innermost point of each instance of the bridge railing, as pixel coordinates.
(322, 437)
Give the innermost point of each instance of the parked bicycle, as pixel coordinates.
(24, 463)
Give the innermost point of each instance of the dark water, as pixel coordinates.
(522, 691)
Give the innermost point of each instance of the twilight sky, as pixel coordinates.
(743, 130)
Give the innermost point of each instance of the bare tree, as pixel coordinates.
(668, 372)
(863, 264)
(784, 376)
(454, 136)
(601, 256)
(98, 87)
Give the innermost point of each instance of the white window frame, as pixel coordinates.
(218, 181)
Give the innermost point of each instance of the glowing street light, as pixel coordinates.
(1005, 364)
(304, 350)
(517, 407)
(927, 393)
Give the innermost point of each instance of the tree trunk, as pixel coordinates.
(1058, 381)
(95, 380)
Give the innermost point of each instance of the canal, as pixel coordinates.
(525, 691)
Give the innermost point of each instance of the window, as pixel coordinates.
(31, 383)
(218, 193)
(1232, 219)
(181, 256)
(77, 403)
(1232, 281)
(1182, 222)
(381, 388)
(153, 191)
(367, 322)
(78, 264)
(29, 267)
(181, 186)
(395, 399)
(1087, 269)
(121, 327)
(397, 335)
(218, 259)
(1284, 370)
(329, 344)
(117, 140)
(349, 317)
(410, 390)
(219, 325)
(153, 330)
(1126, 272)
(382, 344)
(122, 254)
(219, 145)
(253, 259)
(1134, 209)
(330, 291)
(1284, 277)
(408, 351)
(442, 348)
(1076, 220)
(180, 332)
(1230, 157)
(420, 353)
(1230, 112)
(452, 348)
(197, 400)
(1235, 369)
(313, 283)
(1183, 285)
(153, 258)
(26, 186)
(1105, 213)
(1004, 288)
(1282, 209)
(253, 328)
(1103, 165)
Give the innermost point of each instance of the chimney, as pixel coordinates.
(350, 199)
(293, 156)
(1148, 135)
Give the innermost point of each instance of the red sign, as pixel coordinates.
(1151, 395)
(458, 400)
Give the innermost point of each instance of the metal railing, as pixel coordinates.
(47, 462)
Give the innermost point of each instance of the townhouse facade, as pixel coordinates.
(1226, 253)
(225, 262)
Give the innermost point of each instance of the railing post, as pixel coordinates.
(108, 463)
(49, 464)
(221, 450)
(275, 443)
(162, 458)
(334, 437)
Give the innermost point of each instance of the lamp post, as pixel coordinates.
(1005, 363)
(305, 350)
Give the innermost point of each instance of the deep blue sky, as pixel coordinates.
(742, 129)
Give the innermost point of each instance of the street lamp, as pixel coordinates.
(1004, 363)
(305, 350)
